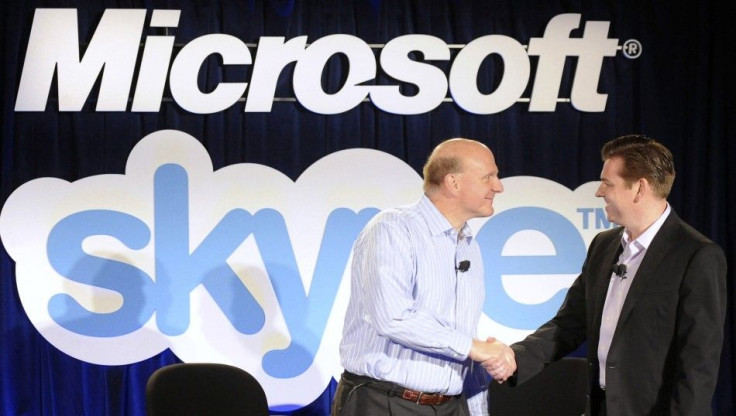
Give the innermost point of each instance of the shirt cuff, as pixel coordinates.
(460, 347)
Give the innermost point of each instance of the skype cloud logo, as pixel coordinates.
(244, 266)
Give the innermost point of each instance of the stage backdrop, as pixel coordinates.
(183, 181)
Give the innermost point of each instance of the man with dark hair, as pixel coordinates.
(650, 300)
(416, 296)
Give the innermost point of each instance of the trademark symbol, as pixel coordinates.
(631, 49)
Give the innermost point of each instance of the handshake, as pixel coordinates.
(496, 357)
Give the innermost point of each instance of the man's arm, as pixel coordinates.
(701, 313)
(383, 261)
(557, 337)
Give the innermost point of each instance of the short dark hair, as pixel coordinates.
(643, 157)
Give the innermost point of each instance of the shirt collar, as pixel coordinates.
(438, 224)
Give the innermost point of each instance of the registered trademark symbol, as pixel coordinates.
(631, 49)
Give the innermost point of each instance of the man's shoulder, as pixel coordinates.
(688, 238)
(606, 236)
(688, 232)
(614, 232)
(400, 214)
(395, 218)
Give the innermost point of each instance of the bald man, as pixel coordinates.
(416, 296)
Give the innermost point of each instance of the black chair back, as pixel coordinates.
(204, 389)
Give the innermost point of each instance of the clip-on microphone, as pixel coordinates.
(463, 266)
(619, 270)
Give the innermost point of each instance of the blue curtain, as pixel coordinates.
(680, 91)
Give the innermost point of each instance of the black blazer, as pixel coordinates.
(666, 348)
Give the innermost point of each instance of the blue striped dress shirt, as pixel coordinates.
(412, 315)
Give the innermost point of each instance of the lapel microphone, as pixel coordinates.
(619, 270)
(463, 266)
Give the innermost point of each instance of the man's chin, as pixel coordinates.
(609, 217)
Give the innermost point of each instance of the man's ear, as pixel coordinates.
(452, 182)
(643, 187)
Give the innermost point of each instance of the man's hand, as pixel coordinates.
(496, 357)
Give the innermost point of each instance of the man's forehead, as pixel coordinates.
(611, 168)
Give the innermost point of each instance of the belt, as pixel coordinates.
(393, 389)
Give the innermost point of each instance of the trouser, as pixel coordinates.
(364, 396)
(598, 402)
